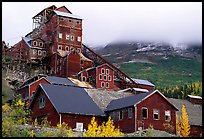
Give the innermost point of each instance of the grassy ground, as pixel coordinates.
(169, 72)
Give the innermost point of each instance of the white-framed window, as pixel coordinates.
(120, 115)
(167, 115)
(34, 43)
(129, 112)
(67, 37)
(60, 68)
(40, 44)
(105, 77)
(102, 84)
(107, 85)
(34, 51)
(60, 47)
(100, 77)
(109, 78)
(72, 38)
(67, 48)
(39, 52)
(60, 35)
(102, 70)
(44, 53)
(107, 71)
(72, 48)
(84, 78)
(156, 114)
(79, 126)
(144, 113)
(42, 102)
(78, 50)
(79, 39)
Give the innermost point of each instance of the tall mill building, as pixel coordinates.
(56, 40)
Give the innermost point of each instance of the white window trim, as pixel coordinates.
(102, 85)
(39, 52)
(102, 69)
(109, 79)
(108, 71)
(67, 36)
(78, 125)
(72, 38)
(156, 113)
(107, 83)
(120, 118)
(60, 35)
(100, 75)
(40, 105)
(59, 47)
(79, 38)
(35, 43)
(40, 44)
(35, 51)
(147, 113)
(84, 77)
(168, 115)
(66, 48)
(105, 76)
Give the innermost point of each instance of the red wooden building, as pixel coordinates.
(28, 90)
(101, 76)
(71, 105)
(194, 112)
(139, 111)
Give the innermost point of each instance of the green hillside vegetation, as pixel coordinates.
(171, 72)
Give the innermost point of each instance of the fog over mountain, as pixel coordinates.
(107, 22)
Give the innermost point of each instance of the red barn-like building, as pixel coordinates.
(141, 110)
(71, 105)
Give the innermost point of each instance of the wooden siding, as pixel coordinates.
(155, 101)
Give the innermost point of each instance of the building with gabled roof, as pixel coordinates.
(194, 112)
(140, 110)
(71, 105)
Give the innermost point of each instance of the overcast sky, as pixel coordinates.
(105, 22)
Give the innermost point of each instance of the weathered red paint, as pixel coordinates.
(53, 116)
(154, 101)
(195, 131)
(194, 100)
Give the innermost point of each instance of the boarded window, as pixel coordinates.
(156, 114)
(60, 35)
(67, 37)
(129, 112)
(79, 39)
(42, 102)
(167, 115)
(34, 51)
(144, 113)
(79, 126)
